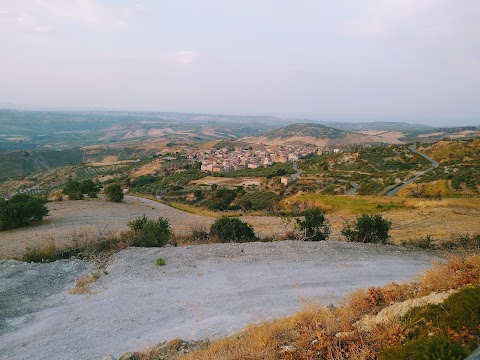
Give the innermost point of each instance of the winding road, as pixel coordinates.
(400, 187)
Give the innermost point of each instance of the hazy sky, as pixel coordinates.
(416, 59)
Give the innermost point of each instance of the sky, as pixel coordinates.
(415, 60)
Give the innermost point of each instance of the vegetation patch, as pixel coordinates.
(345, 204)
(80, 244)
(449, 330)
(313, 226)
(82, 285)
(21, 210)
(368, 229)
(114, 193)
(160, 262)
(227, 229)
(148, 233)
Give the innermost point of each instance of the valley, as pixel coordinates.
(191, 171)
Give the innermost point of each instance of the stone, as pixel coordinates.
(109, 357)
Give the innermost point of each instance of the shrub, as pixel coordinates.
(198, 194)
(72, 188)
(228, 229)
(149, 233)
(160, 262)
(89, 187)
(314, 226)
(21, 210)
(114, 193)
(368, 228)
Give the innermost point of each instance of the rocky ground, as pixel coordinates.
(202, 292)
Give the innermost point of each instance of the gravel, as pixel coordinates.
(203, 291)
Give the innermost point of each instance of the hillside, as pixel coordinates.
(316, 134)
(306, 129)
(22, 130)
(378, 126)
(458, 172)
(374, 169)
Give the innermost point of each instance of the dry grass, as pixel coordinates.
(82, 243)
(82, 286)
(329, 333)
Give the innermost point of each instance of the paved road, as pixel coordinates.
(400, 187)
(297, 174)
(354, 189)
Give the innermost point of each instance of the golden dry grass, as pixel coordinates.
(82, 285)
(330, 333)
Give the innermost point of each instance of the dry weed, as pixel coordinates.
(82, 286)
(456, 271)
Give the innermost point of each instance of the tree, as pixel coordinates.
(227, 229)
(150, 233)
(114, 193)
(72, 188)
(314, 226)
(198, 194)
(21, 210)
(368, 228)
(89, 187)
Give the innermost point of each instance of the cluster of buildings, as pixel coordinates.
(225, 160)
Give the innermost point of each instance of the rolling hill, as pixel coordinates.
(318, 135)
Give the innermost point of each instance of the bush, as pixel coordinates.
(114, 193)
(72, 188)
(89, 187)
(149, 233)
(228, 229)
(314, 227)
(368, 228)
(21, 210)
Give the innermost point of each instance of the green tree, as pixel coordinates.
(198, 194)
(227, 229)
(114, 193)
(73, 189)
(368, 228)
(314, 226)
(21, 210)
(89, 187)
(150, 233)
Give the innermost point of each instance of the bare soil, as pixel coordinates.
(204, 291)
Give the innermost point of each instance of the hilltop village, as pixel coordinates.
(225, 160)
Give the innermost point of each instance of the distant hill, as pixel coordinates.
(306, 129)
(21, 130)
(435, 134)
(319, 135)
(378, 126)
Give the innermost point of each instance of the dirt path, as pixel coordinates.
(202, 292)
